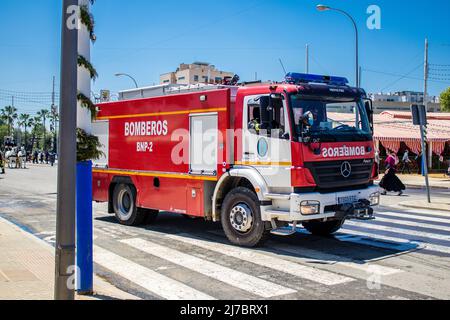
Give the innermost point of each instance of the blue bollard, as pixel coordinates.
(85, 261)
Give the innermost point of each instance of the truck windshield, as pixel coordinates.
(330, 119)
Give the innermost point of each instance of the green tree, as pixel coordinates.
(23, 123)
(44, 114)
(35, 123)
(445, 100)
(9, 115)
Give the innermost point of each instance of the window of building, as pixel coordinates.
(182, 78)
(218, 79)
(196, 78)
(166, 81)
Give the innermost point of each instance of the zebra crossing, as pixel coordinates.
(205, 258)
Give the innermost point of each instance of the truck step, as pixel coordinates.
(283, 232)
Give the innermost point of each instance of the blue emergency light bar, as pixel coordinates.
(298, 78)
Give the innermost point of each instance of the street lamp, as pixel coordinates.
(127, 75)
(322, 8)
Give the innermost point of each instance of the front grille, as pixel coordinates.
(328, 175)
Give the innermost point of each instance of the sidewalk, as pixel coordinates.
(27, 267)
(439, 205)
(418, 181)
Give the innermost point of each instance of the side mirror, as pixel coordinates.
(369, 109)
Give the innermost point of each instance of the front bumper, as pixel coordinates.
(353, 204)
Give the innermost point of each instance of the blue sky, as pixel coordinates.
(147, 38)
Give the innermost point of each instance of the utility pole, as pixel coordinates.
(426, 71)
(65, 212)
(54, 115)
(307, 59)
(423, 127)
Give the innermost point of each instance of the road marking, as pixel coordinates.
(370, 235)
(148, 279)
(435, 213)
(322, 257)
(413, 224)
(226, 275)
(410, 216)
(398, 230)
(275, 263)
(108, 234)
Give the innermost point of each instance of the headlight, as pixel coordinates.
(375, 199)
(310, 208)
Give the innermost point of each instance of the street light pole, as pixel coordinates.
(127, 75)
(327, 8)
(65, 212)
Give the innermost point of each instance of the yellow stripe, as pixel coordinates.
(156, 114)
(272, 164)
(155, 174)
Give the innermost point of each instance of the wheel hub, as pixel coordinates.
(124, 204)
(241, 218)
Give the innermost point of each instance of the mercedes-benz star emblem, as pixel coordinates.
(346, 169)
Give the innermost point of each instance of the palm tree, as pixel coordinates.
(31, 124)
(9, 114)
(34, 123)
(23, 122)
(44, 114)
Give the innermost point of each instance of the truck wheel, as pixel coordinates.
(241, 218)
(323, 228)
(124, 202)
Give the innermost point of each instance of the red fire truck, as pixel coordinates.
(261, 159)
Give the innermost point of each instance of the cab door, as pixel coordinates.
(266, 139)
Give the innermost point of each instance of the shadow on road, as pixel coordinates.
(343, 248)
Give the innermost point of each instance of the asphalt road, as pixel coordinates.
(404, 254)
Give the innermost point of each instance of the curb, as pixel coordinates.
(420, 187)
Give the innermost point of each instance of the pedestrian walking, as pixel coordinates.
(2, 163)
(35, 157)
(390, 181)
(419, 163)
(406, 161)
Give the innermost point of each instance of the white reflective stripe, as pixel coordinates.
(398, 230)
(413, 224)
(321, 257)
(226, 275)
(411, 216)
(278, 264)
(148, 279)
(421, 245)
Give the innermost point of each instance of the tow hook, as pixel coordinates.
(360, 210)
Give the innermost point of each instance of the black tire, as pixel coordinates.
(259, 231)
(318, 228)
(125, 209)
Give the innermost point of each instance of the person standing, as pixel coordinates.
(406, 163)
(377, 160)
(390, 181)
(2, 163)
